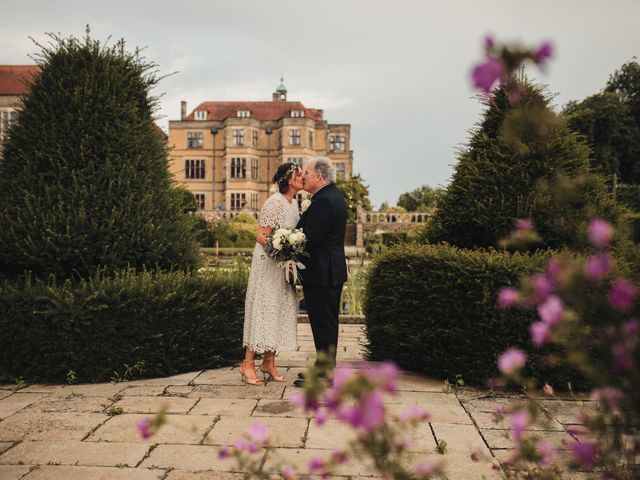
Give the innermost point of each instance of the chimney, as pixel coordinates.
(183, 109)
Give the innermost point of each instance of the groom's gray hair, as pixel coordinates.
(325, 168)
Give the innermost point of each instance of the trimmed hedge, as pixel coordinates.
(173, 322)
(432, 309)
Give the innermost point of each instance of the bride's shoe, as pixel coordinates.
(265, 373)
(249, 381)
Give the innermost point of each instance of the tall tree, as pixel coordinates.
(355, 192)
(84, 180)
(421, 198)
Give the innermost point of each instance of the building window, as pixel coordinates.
(340, 170)
(194, 139)
(255, 138)
(254, 201)
(201, 114)
(238, 137)
(244, 114)
(297, 113)
(254, 169)
(238, 168)
(200, 200)
(194, 169)
(294, 136)
(338, 143)
(297, 160)
(238, 201)
(6, 120)
(310, 139)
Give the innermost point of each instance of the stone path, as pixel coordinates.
(87, 432)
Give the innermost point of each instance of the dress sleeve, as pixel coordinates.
(272, 213)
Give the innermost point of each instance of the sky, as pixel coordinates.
(397, 71)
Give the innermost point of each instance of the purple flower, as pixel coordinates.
(488, 41)
(316, 464)
(540, 333)
(524, 224)
(427, 468)
(548, 389)
(339, 456)
(288, 472)
(621, 358)
(384, 375)
(372, 410)
(554, 269)
(622, 295)
(511, 361)
(520, 420)
(321, 417)
(600, 233)
(508, 297)
(414, 413)
(542, 286)
(551, 311)
(547, 453)
(498, 413)
(403, 442)
(543, 53)
(585, 453)
(608, 395)
(632, 327)
(598, 266)
(306, 403)
(241, 445)
(341, 376)
(144, 427)
(259, 432)
(223, 452)
(486, 74)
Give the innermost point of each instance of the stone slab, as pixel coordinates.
(278, 408)
(181, 379)
(16, 402)
(13, 472)
(70, 403)
(141, 404)
(4, 446)
(143, 390)
(185, 429)
(192, 458)
(299, 459)
(50, 472)
(186, 475)
(33, 425)
(93, 389)
(445, 412)
(496, 439)
(461, 439)
(285, 432)
(75, 453)
(236, 407)
(220, 376)
(272, 391)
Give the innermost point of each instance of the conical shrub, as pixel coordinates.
(84, 179)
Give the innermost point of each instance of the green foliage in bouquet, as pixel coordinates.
(517, 159)
(172, 322)
(84, 179)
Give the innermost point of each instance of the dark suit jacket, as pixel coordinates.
(324, 223)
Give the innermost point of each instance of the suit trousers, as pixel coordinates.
(323, 306)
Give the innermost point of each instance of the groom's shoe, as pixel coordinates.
(299, 382)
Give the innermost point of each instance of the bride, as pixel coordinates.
(270, 319)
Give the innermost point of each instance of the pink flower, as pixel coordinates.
(542, 286)
(304, 402)
(520, 420)
(339, 456)
(488, 41)
(598, 266)
(486, 74)
(543, 53)
(600, 233)
(341, 376)
(144, 427)
(622, 295)
(548, 389)
(608, 395)
(498, 413)
(288, 472)
(223, 452)
(321, 417)
(384, 375)
(403, 442)
(547, 453)
(524, 224)
(540, 333)
(414, 413)
(259, 432)
(508, 297)
(554, 269)
(316, 464)
(621, 358)
(511, 361)
(242, 445)
(551, 311)
(427, 468)
(368, 414)
(585, 453)
(632, 327)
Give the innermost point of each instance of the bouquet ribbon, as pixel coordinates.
(291, 268)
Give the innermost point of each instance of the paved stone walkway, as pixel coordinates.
(87, 432)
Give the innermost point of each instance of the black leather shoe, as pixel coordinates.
(301, 375)
(298, 382)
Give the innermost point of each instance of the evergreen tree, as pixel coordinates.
(355, 192)
(521, 162)
(420, 199)
(84, 179)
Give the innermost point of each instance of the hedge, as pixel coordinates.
(173, 322)
(432, 309)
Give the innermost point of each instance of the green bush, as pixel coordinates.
(173, 322)
(84, 178)
(390, 239)
(432, 309)
(632, 223)
(236, 233)
(629, 196)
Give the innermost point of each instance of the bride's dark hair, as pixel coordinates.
(283, 175)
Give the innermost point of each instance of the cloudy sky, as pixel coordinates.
(397, 71)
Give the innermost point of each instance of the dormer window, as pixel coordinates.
(244, 113)
(297, 113)
(201, 114)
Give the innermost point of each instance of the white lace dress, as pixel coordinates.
(270, 309)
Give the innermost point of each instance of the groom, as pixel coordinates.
(324, 223)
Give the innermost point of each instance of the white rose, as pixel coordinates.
(306, 203)
(277, 243)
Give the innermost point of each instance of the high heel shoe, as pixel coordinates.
(265, 373)
(249, 381)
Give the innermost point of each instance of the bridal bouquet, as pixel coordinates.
(287, 247)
